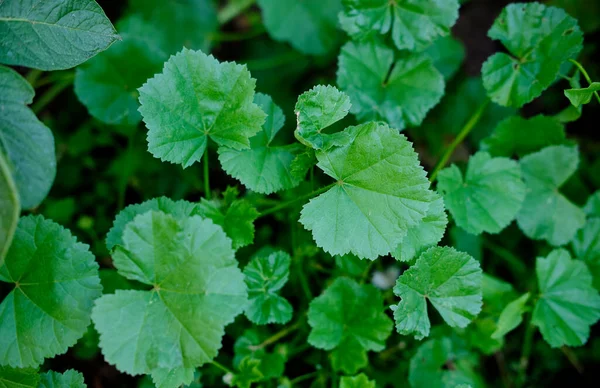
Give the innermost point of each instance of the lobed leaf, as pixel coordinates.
(582, 96)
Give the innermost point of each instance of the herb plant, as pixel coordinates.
(287, 193)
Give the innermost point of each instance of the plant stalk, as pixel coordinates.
(50, 94)
(526, 351)
(277, 336)
(233, 9)
(206, 175)
(585, 75)
(304, 197)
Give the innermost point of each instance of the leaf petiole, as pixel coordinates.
(206, 174)
(304, 197)
(585, 75)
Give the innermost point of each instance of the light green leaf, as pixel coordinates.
(9, 207)
(349, 318)
(27, 143)
(592, 206)
(196, 98)
(265, 275)
(451, 280)
(381, 192)
(546, 214)
(248, 373)
(412, 25)
(568, 304)
(582, 96)
(68, 379)
(398, 90)
(310, 26)
(172, 378)
(586, 246)
(316, 110)
(539, 39)
(107, 84)
(358, 381)
(488, 197)
(511, 316)
(237, 220)
(447, 54)
(520, 136)
(55, 284)
(272, 364)
(197, 289)
(52, 34)
(263, 168)
(427, 233)
(18, 378)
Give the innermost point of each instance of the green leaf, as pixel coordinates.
(265, 275)
(55, 284)
(488, 197)
(546, 214)
(509, 138)
(352, 265)
(398, 90)
(27, 143)
(9, 207)
(568, 304)
(197, 289)
(316, 110)
(442, 363)
(348, 318)
(18, 378)
(592, 206)
(68, 379)
(511, 316)
(451, 280)
(584, 11)
(272, 365)
(412, 25)
(248, 373)
(447, 54)
(582, 96)
(263, 168)
(52, 34)
(358, 381)
(172, 378)
(107, 84)
(586, 246)
(539, 39)
(309, 26)
(427, 233)
(196, 98)
(378, 175)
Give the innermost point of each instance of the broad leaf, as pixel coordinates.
(582, 96)
(592, 206)
(172, 378)
(348, 318)
(488, 197)
(264, 168)
(68, 379)
(586, 246)
(449, 279)
(511, 316)
(539, 39)
(27, 143)
(55, 284)
(568, 304)
(52, 34)
(447, 54)
(9, 207)
(412, 25)
(272, 364)
(265, 275)
(381, 192)
(197, 289)
(248, 373)
(399, 90)
(18, 378)
(358, 381)
(546, 214)
(196, 98)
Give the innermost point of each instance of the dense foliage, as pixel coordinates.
(285, 193)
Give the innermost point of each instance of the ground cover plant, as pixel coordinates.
(291, 193)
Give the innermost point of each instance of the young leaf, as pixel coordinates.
(451, 280)
(191, 267)
(586, 246)
(447, 54)
(544, 172)
(19, 378)
(381, 192)
(70, 379)
(194, 98)
(27, 143)
(348, 318)
(489, 196)
(511, 316)
(248, 373)
(55, 284)
(9, 207)
(271, 364)
(265, 275)
(412, 25)
(592, 206)
(316, 110)
(358, 381)
(310, 26)
(539, 39)
(263, 168)
(427, 233)
(582, 96)
(400, 91)
(568, 303)
(520, 136)
(52, 34)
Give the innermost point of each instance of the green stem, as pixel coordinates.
(304, 377)
(50, 94)
(277, 336)
(233, 9)
(516, 264)
(33, 76)
(206, 175)
(526, 351)
(466, 129)
(304, 197)
(300, 270)
(274, 61)
(127, 171)
(221, 36)
(572, 357)
(585, 75)
(222, 367)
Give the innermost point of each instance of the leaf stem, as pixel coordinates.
(33, 76)
(222, 367)
(289, 203)
(303, 377)
(51, 93)
(585, 75)
(572, 357)
(516, 264)
(526, 351)
(466, 129)
(206, 175)
(277, 336)
(233, 9)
